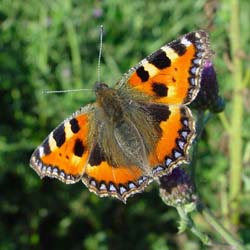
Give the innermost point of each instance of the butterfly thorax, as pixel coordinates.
(109, 101)
(121, 139)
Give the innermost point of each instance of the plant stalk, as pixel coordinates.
(235, 143)
(227, 236)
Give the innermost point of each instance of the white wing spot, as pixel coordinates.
(93, 183)
(185, 42)
(168, 161)
(177, 154)
(41, 151)
(184, 134)
(181, 144)
(158, 169)
(131, 185)
(112, 188)
(122, 190)
(103, 187)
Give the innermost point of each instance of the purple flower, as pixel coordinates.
(97, 12)
(177, 188)
(208, 96)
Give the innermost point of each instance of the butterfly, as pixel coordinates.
(135, 132)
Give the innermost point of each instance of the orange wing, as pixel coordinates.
(65, 152)
(69, 155)
(171, 75)
(170, 79)
(177, 128)
(106, 180)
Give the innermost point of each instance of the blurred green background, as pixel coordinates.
(51, 45)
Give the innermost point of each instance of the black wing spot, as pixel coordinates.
(159, 59)
(191, 37)
(160, 89)
(46, 147)
(178, 47)
(59, 135)
(96, 156)
(142, 73)
(78, 148)
(74, 125)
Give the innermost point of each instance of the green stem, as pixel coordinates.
(225, 122)
(224, 202)
(237, 116)
(246, 81)
(187, 222)
(220, 229)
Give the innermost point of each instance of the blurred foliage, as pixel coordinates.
(54, 45)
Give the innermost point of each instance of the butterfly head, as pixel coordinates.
(99, 87)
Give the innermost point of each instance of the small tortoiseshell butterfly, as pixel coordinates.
(135, 132)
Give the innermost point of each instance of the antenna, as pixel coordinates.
(63, 91)
(98, 71)
(100, 55)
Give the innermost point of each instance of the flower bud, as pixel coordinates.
(177, 189)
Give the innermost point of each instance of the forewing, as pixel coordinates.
(171, 75)
(64, 153)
